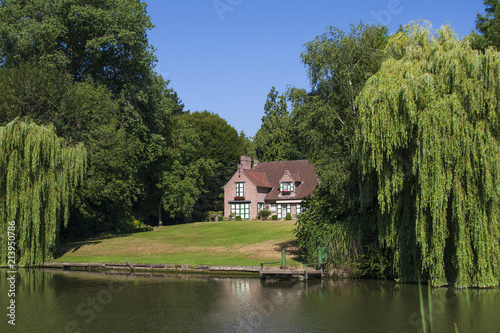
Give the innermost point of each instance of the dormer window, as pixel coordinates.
(286, 188)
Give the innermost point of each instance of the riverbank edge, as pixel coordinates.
(153, 268)
(252, 271)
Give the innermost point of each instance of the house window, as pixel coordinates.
(260, 207)
(273, 208)
(286, 188)
(241, 209)
(299, 209)
(283, 209)
(240, 190)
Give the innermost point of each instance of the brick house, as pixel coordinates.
(276, 186)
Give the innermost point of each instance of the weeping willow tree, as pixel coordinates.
(38, 173)
(428, 143)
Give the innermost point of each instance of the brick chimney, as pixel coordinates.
(246, 162)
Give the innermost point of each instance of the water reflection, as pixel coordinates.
(67, 301)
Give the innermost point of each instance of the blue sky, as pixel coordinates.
(225, 55)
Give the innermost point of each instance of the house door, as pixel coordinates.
(283, 209)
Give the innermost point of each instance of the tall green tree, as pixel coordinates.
(38, 175)
(102, 40)
(184, 178)
(87, 67)
(488, 27)
(428, 144)
(80, 112)
(90, 115)
(338, 65)
(247, 146)
(34, 91)
(156, 126)
(274, 141)
(220, 143)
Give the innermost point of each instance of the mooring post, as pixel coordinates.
(283, 260)
(130, 265)
(321, 257)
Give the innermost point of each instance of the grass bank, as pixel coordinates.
(245, 243)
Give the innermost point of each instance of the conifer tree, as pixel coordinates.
(487, 27)
(272, 140)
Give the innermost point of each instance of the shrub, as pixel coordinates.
(212, 216)
(288, 216)
(123, 227)
(136, 223)
(274, 217)
(143, 228)
(237, 218)
(264, 214)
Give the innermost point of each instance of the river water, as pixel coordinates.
(67, 301)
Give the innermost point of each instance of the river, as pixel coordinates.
(68, 301)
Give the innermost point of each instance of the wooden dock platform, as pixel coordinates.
(265, 273)
(282, 274)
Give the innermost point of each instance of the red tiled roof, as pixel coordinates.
(300, 171)
(295, 176)
(258, 178)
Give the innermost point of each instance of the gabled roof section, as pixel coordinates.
(258, 178)
(295, 176)
(300, 170)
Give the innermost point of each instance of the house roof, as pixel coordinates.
(300, 171)
(258, 178)
(295, 176)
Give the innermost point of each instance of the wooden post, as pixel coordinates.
(160, 222)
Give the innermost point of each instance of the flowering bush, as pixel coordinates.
(239, 198)
(286, 192)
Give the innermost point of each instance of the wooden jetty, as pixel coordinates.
(135, 267)
(287, 274)
(283, 274)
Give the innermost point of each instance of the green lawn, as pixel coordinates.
(245, 243)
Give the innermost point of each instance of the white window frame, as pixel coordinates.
(241, 209)
(240, 189)
(287, 186)
(287, 208)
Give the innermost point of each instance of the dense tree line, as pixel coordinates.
(87, 69)
(403, 130)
